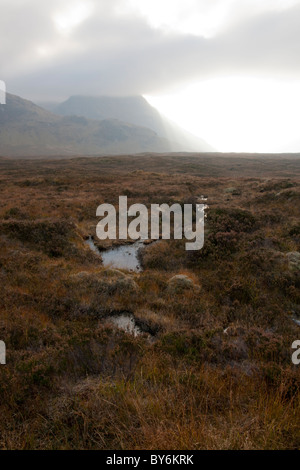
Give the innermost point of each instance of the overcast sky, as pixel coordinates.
(213, 58)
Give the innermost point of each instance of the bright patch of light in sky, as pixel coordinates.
(71, 16)
(237, 114)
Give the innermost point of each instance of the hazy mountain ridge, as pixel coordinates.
(29, 130)
(135, 110)
(83, 125)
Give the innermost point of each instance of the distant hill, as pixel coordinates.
(29, 130)
(135, 110)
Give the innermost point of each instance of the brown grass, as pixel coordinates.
(74, 381)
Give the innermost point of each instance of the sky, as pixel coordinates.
(226, 70)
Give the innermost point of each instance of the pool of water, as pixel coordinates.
(121, 257)
(126, 323)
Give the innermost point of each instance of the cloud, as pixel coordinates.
(53, 50)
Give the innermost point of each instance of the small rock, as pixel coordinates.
(294, 260)
(233, 191)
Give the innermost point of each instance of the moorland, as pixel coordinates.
(212, 366)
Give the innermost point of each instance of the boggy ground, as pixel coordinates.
(213, 369)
